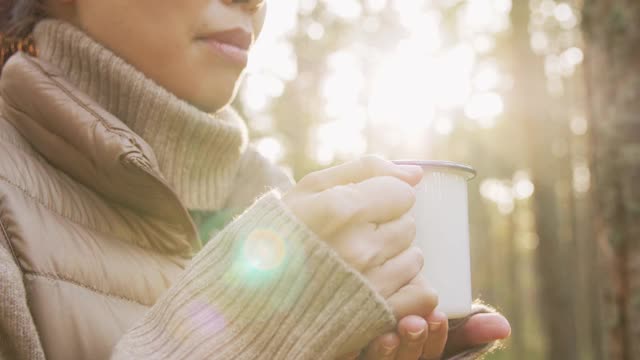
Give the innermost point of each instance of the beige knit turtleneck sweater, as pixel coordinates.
(205, 158)
(197, 152)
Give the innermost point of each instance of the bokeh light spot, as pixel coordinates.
(524, 189)
(270, 148)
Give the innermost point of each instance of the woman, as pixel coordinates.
(109, 163)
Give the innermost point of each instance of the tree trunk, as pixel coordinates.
(554, 256)
(612, 34)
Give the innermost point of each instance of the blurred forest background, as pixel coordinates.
(542, 97)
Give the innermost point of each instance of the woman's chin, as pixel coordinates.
(219, 96)
(211, 100)
(208, 88)
(213, 105)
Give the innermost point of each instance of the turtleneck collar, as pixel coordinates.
(198, 153)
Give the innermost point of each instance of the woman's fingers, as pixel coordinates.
(414, 334)
(415, 298)
(419, 339)
(370, 190)
(358, 171)
(376, 200)
(395, 275)
(385, 198)
(366, 246)
(438, 329)
(416, 338)
(395, 237)
(383, 348)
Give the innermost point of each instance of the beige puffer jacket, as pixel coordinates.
(92, 237)
(91, 266)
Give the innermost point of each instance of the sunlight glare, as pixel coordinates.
(305, 7)
(403, 93)
(502, 6)
(344, 83)
(425, 33)
(484, 44)
(376, 5)
(406, 92)
(259, 89)
(452, 76)
(261, 122)
(272, 61)
(346, 9)
(484, 107)
(487, 77)
(270, 148)
(484, 16)
(340, 138)
(443, 126)
(406, 8)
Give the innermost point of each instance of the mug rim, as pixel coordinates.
(467, 171)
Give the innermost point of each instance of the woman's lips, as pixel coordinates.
(230, 52)
(232, 45)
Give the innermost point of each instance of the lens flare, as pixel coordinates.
(264, 250)
(205, 317)
(202, 318)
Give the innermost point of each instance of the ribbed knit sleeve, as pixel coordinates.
(266, 287)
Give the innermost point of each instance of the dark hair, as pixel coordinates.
(17, 19)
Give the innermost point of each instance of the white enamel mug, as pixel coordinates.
(442, 232)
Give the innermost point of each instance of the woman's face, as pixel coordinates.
(196, 49)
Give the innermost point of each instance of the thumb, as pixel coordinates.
(480, 329)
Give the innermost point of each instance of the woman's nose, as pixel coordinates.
(247, 4)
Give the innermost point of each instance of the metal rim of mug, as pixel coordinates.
(467, 171)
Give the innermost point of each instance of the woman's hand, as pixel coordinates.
(433, 344)
(361, 210)
(416, 338)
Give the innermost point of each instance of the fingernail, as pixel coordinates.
(415, 335)
(435, 320)
(389, 344)
(388, 350)
(434, 326)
